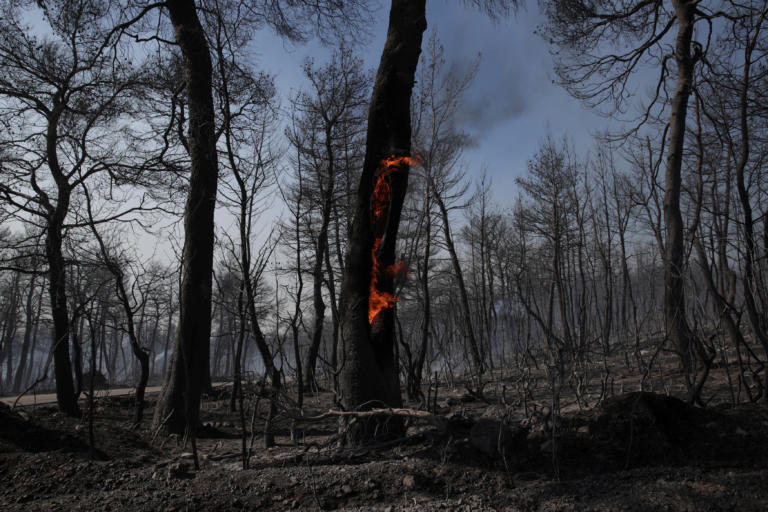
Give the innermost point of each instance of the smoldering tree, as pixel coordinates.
(368, 368)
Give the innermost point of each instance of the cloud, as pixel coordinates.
(491, 101)
(512, 79)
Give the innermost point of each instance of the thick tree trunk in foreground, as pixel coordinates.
(57, 282)
(369, 376)
(62, 365)
(678, 331)
(191, 345)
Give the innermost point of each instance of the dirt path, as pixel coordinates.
(50, 398)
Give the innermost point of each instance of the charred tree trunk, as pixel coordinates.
(244, 226)
(266, 355)
(184, 380)
(334, 313)
(169, 330)
(426, 321)
(237, 390)
(477, 359)
(321, 248)
(8, 334)
(76, 332)
(296, 318)
(310, 382)
(142, 356)
(261, 343)
(29, 321)
(368, 368)
(678, 331)
(62, 365)
(756, 319)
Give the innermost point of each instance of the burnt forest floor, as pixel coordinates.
(633, 451)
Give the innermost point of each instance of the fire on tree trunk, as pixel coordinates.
(366, 336)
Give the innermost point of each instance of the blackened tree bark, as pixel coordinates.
(416, 370)
(756, 320)
(62, 365)
(368, 368)
(179, 402)
(439, 144)
(246, 198)
(294, 200)
(469, 330)
(677, 327)
(321, 247)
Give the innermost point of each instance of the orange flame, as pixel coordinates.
(382, 195)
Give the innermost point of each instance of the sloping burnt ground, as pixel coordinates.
(646, 429)
(635, 452)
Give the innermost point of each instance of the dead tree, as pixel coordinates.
(369, 375)
(329, 114)
(129, 306)
(440, 145)
(179, 404)
(596, 66)
(64, 94)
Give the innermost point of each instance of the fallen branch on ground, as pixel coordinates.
(408, 413)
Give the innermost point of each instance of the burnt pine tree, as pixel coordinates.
(179, 402)
(331, 110)
(604, 42)
(130, 308)
(369, 375)
(296, 21)
(63, 95)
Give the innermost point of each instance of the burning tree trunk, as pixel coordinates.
(366, 335)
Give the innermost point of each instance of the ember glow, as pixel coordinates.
(382, 195)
